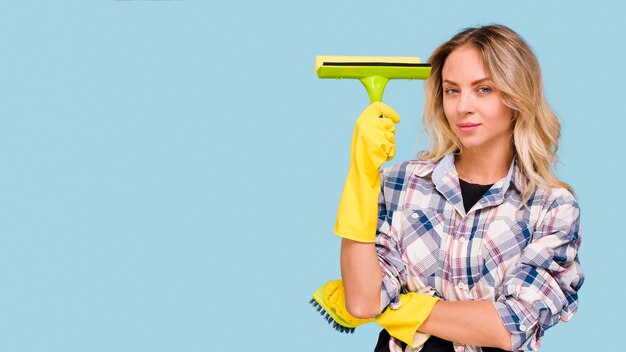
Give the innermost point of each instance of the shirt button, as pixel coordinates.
(461, 285)
(522, 327)
(462, 239)
(414, 215)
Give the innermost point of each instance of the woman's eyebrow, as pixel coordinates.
(472, 84)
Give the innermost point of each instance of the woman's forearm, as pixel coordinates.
(468, 322)
(362, 278)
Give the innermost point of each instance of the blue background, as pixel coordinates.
(170, 169)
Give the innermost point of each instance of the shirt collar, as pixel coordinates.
(446, 180)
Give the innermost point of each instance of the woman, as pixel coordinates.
(479, 221)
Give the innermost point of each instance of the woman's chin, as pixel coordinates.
(471, 144)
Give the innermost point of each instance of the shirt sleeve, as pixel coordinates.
(543, 289)
(387, 247)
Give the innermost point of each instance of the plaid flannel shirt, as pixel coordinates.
(525, 261)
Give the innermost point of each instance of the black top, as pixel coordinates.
(471, 193)
(433, 344)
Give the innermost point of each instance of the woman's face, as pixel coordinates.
(472, 104)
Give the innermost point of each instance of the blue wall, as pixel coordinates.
(169, 170)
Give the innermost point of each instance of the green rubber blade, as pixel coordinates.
(389, 72)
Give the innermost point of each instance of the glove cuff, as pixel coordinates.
(402, 323)
(357, 214)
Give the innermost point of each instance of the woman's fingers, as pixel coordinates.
(387, 111)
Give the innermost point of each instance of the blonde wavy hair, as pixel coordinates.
(514, 70)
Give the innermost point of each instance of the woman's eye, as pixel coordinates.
(450, 91)
(484, 90)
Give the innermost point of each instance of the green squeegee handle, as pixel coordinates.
(375, 86)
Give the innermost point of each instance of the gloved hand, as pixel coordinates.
(373, 143)
(401, 323)
(331, 297)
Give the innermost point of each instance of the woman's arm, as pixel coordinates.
(474, 323)
(362, 277)
(372, 144)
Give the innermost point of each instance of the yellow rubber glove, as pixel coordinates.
(331, 297)
(401, 323)
(373, 143)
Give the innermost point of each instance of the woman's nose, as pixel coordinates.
(466, 104)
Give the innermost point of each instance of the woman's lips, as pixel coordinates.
(468, 126)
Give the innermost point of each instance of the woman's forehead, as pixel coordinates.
(464, 65)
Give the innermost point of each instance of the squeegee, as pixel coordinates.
(373, 71)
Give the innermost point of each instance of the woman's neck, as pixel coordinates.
(483, 167)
